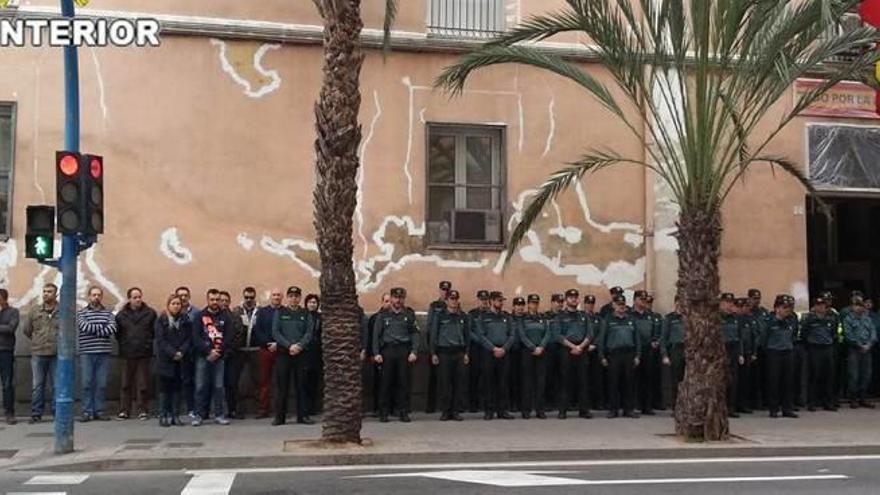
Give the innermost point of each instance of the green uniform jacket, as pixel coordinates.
(671, 332)
(293, 326)
(779, 335)
(819, 331)
(533, 331)
(618, 333)
(731, 332)
(450, 330)
(649, 326)
(859, 330)
(395, 328)
(573, 326)
(496, 330)
(41, 327)
(434, 309)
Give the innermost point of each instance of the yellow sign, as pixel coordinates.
(4, 3)
(877, 71)
(81, 3)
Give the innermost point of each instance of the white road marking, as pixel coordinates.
(211, 483)
(36, 493)
(543, 464)
(57, 479)
(512, 479)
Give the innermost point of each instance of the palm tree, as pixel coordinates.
(335, 196)
(704, 73)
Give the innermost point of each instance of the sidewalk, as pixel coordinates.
(137, 445)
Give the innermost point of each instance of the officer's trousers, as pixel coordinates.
(514, 379)
(574, 377)
(780, 374)
(598, 382)
(534, 380)
(621, 380)
(552, 389)
(395, 379)
(821, 376)
(645, 376)
(285, 364)
(495, 376)
(451, 375)
(475, 371)
(859, 371)
(732, 375)
(676, 369)
(746, 393)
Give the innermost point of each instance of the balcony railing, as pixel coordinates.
(480, 19)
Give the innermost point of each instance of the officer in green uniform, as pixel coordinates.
(395, 344)
(838, 372)
(818, 331)
(730, 334)
(292, 330)
(870, 308)
(648, 326)
(760, 314)
(495, 333)
(554, 372)
(608, 307)
(749, 330)
(575, 337)
(597, 372)
(475, 353)
(672, 347)
(656, 357)
(619, 347)
(514, 381)
(433, 310)
(450, 340)
(533, 331)
(778, 344)
(860, 335)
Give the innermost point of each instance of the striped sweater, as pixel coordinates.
(96, 327)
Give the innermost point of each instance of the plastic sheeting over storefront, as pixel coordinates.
(844, 156)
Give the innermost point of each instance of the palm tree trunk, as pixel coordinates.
(701, 409)
(338, 137)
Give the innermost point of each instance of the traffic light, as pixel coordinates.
(40, 236)
(68, 192)
(92, 173)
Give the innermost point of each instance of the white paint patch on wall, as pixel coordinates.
(274, 77)
(8, 260)
(633, 239)
(102, 279)
(171, 247)
(244, 241)
(551, 112)
(664, 240)
(359, 207)
(409, 137)
(604, 228)
(102, 95)
(801, 294)
(283, 248)
(367, 267)
(571, 235)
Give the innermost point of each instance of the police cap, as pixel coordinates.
(534, 298)
(453, 294)
(727, 296)
(640, 294)
(398, 292)
(557, 297)
(572, 293)
(618, 298)
(483, 295)
(589, 299)
(519, 301)
(294, 291)
(445, 285)
(616, 290)
(754, 294)
(496, 294)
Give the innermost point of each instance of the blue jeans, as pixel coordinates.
(94, 369)
(42, 370)
(7, 381)
(209, 386)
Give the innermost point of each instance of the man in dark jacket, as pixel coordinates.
(450, 338)
(8, 324)
(496, 335)
(242, 319)
(372, 371)
(292, 330)
(212, 329)
(395, 343)
(135, 328)
(261, 339)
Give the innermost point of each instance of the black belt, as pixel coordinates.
(450, 350)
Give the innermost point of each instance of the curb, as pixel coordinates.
(365, 459)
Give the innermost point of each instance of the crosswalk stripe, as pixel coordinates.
(36, 493)
(215, 483)
(57, 479)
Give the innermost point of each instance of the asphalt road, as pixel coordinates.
(792, 475)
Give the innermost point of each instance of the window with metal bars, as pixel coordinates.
(466, 18)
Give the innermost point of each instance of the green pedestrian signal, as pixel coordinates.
(41, 247)
(39, 239)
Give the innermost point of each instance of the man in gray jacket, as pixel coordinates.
(8, 324)
(41, 327)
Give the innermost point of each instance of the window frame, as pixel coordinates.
(463, 130)
(13, 118)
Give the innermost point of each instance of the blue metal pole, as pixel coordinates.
(65, 369)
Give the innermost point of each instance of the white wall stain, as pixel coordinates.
(635, 240)
(571, 235)
(409, 138)
(8, 260)
(102, 96)
(604, 228)
(422, 115)
(275, 78)
(36, 132)
(551, 112)
(801, 294)
(244, 241)
(283, 249)
(367, 267)
(102, 279)
(171, 247)
(664, 240)
(359, 207)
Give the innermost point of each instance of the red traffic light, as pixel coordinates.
(69, 165)
(869, 11)
(96, 167)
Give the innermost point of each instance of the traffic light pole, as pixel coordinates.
(65, 371)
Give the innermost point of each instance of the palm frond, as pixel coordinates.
(390, 16)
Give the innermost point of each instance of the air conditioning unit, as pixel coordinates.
(476, 226)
